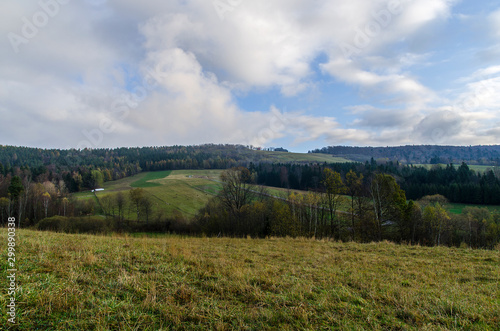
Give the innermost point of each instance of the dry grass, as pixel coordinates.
(81, 282)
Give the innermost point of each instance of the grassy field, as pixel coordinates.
(181, 192)
(82, 282)
(457, 208)
(285, 157)
(478, 168)
(149, 180)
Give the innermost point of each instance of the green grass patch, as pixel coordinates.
(284, 157)
(457, 208)
(149, 179)
(83, 195)
(84, 282)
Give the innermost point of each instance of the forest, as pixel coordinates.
(377, 209)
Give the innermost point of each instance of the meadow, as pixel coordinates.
(184, 192)
(287, 157)
(178, 192)
(83, 282)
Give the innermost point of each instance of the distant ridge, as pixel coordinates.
(419, 154)
(127, 161)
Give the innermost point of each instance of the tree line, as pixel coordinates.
(458, 184)
(347, 208)
(421, 154)
(85, 169)
(90, 168)
(31, 202)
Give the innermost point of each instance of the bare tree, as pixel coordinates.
(236, 188)
(136, 196)
(354, 186)
(46, 200)
(120, 204)
(146, 206)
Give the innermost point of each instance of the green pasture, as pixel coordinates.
(284, 157)
(178, 192)
(457, 208)
(149, 179)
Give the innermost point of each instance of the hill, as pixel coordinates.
(430, 154)
(82, 282)
(151, 158)
(88, 168)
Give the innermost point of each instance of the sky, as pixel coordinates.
(299, 74)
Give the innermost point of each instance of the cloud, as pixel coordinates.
(399, 86)
(173, 72)
(188, 99)
(385, 118)
(479, 94)
(494, 19)
(438, 127)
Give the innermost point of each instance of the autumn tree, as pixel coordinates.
(46, 200)
(146, 206)
(108, 204)
(354, 188)
(432, 200)
(389, 201)
(334, 188)
(312, 201)
(136, 197)
(37, 191)
(436, 219)
(121, 202)
(282, 221)
(237, 188)
(97, 179)
(65, 203)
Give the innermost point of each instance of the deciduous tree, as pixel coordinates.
(334, 188)
(236, 188)
(46, 200)
(354, 187)
(389, 201)
(136, 197)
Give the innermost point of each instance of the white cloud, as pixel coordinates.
(494, 19)
(397, 86)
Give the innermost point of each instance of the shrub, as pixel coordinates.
(75, 224)
(97, 224)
